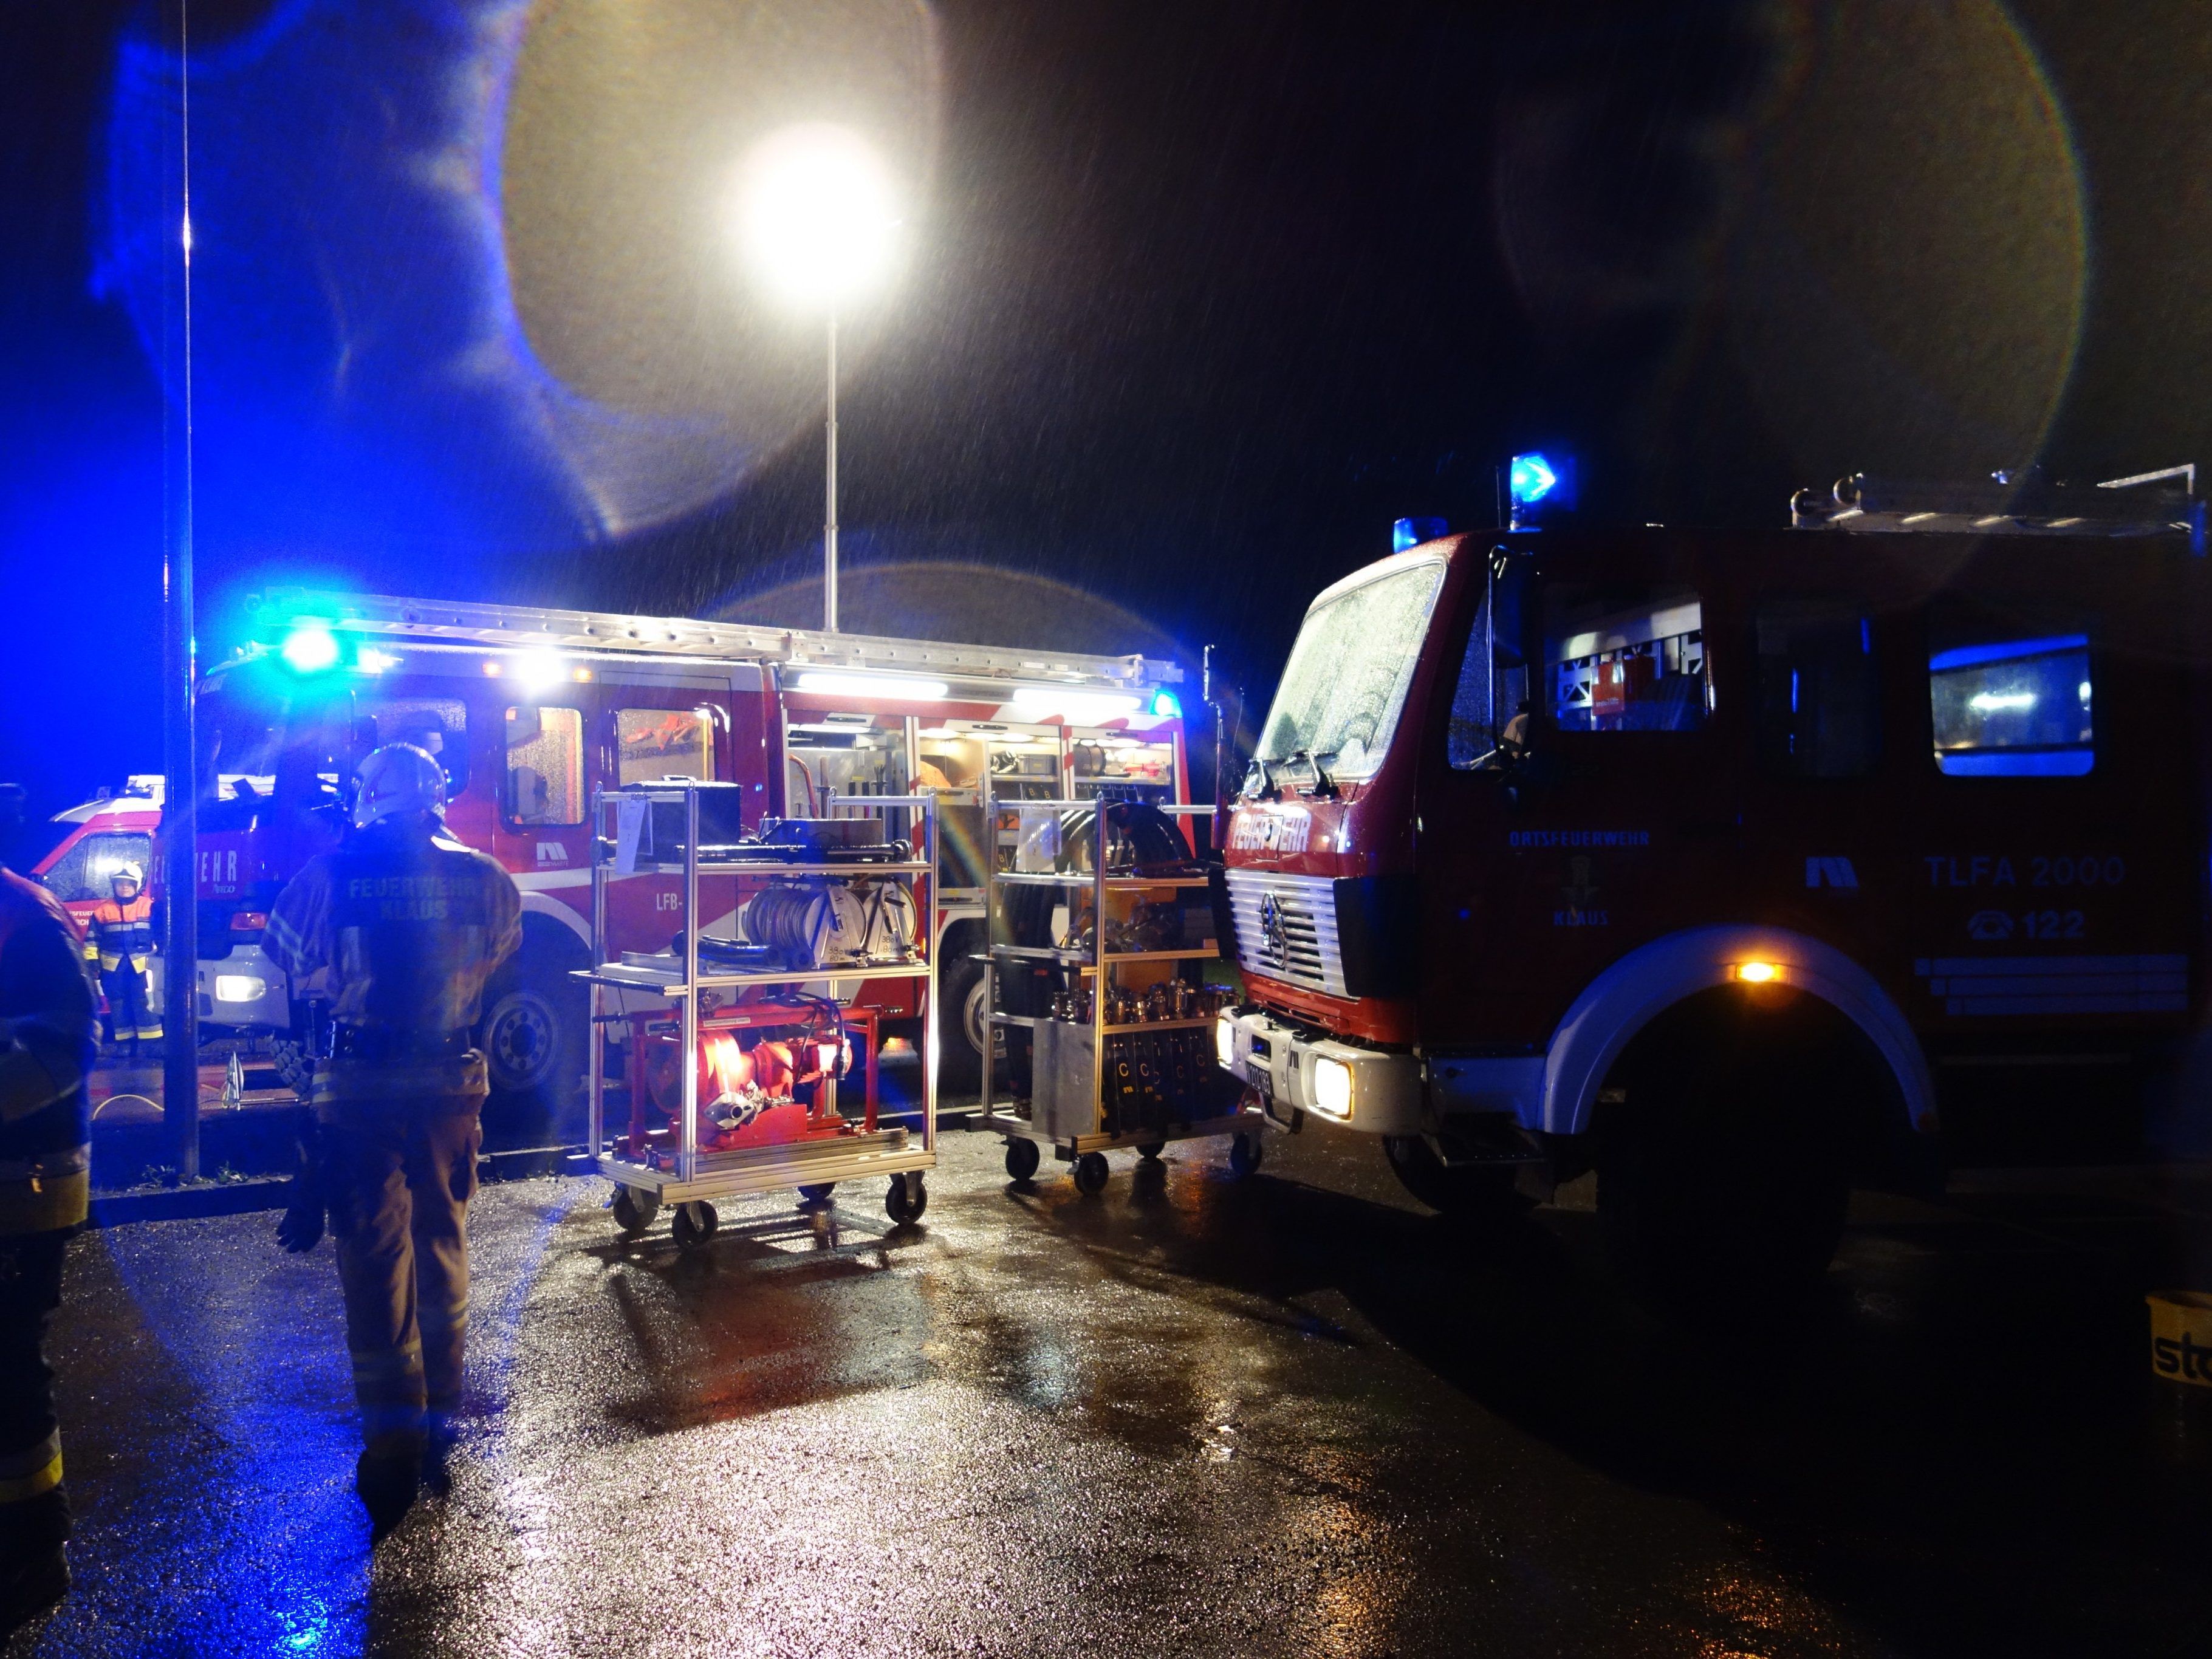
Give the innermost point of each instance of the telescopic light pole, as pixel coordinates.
(815, 213)
(829, 521)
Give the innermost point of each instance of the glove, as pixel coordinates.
(302, 1228)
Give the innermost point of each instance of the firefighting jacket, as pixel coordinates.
(399, 929)
(47, 1027)
(121, 931)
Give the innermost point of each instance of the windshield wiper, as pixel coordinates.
(1324, 788)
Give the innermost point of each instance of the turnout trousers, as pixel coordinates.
(35, 1517)
(400, 1174)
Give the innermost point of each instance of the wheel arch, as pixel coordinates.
(543, 916)
(1644, 985)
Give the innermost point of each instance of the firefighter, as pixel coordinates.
(399, 929)
(48, 1028)
(121, 942)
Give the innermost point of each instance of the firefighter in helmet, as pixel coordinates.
(48, 1029)
(121, 941)
(399, 929)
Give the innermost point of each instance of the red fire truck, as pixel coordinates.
(1733, 866)
(530, 710)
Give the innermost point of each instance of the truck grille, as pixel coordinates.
(1286, 928)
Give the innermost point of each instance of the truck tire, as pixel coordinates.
(532, 1037)
(964, 1030)
(1727, 1170)
(1475, 1194)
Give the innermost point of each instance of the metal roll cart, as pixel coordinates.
(1100, 1083)
(685, 1016)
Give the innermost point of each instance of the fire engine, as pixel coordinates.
(1741, 868)
(530, 711)
(94, 840)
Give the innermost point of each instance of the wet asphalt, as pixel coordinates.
(1296, 1414)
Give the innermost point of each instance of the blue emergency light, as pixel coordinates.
(1531, 478)
(310, 647)
(1412, 533)
(1166, 705)
(1537, 484)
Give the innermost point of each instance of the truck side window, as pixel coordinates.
(1624, 659)
(439, 725)
(2015, 707)
(82, 873)
(1819, 695)
(651, 744)
(545, 767)
(1491, 700)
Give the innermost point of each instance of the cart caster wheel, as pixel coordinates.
(1244, 1155)
(814, 1195)
(1151, 1154)
(693, 1223)
(1020, 1159)
(634, 1210)
(1091, 1174)
(904, 1203)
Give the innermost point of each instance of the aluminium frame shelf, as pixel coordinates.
(1004, 1123)
(621, 977)
(1113, 883)
(853, 870)
(1103, 884)
(695, 1174)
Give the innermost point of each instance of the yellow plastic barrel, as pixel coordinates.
(2181, 1336)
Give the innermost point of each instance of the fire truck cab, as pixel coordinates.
(1741, 868)
(530, 711)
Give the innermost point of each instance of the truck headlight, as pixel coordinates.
(239, 988)
(1224, 1043)
(1332, 1088)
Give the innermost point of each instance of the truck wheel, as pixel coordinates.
(1728, 1178)
(532, 1038)
(965, 1028)
(1476, 1192)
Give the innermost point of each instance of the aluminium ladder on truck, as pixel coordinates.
(696, 998)
(1070, 1058)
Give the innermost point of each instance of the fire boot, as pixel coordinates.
(31, 1590)
(387, 1483)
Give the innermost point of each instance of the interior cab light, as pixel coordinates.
(492, 670)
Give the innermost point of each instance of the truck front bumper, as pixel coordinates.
(244, 988)
(1377, 1094)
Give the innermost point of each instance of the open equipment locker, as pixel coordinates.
(1090, 1042)
(706, 998)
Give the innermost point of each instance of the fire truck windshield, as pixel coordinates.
(1347, 675)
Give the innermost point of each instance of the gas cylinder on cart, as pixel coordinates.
(747, 1085)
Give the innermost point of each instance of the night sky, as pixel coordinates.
(1200, 298)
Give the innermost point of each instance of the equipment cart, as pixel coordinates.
(722, 1034)
(1119, 1019)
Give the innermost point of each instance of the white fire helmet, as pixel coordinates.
(395, 778)
(126, 871)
